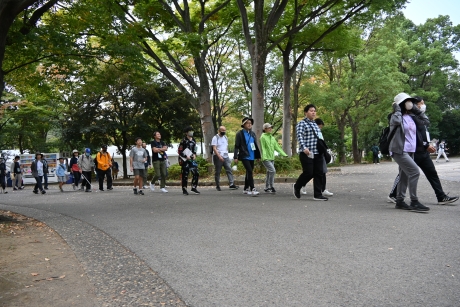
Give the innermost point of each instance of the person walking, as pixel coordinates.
(86, 165)
(45, 172)
(247, 150)
(375, 154)
(104, 164)
(147, 164)
(17, 171)
(269, 146)
(442, 151)
(402, 148)
(76, 171)
(137, 158)
(221, 159)
(159, 149)
(60, 173)
(423, 160)
(187, 155)
(37, 172)
(3, 175)
(115, 169)
(308, 132)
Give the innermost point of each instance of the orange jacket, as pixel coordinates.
(104, 161)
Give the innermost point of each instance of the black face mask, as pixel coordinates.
(222, 133)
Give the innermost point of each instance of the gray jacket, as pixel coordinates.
(85, 163)
(396, 122)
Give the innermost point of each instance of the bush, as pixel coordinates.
(174, 172)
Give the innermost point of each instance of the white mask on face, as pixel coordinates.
(409, 105)
(190, 133)
(423, 108)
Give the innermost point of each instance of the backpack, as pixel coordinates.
(95, 162)
(385, 139)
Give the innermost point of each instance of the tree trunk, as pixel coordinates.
(258, 78)
(287, 110)
(354, 144)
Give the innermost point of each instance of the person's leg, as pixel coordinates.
(144, 178)
(45, 178)
(163, 174)
(318, 174)
(217, 169)
(40, 183)
(393, 191)
(156, 168)
(440, 152)
(100, 175)
(307, 171)
(228, 169)
(409, 175)
(249, 179)
(185, 172)
(425, 163)
(444, 155)
(141, 179)
(271, 171)
(195, 177)
(109, 178)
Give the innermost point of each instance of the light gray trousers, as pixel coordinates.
(408, 174)
(271, 171)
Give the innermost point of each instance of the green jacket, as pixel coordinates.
(269, 145)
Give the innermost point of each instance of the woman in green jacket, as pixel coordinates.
(269, 145)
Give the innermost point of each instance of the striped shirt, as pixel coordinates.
(305, 135)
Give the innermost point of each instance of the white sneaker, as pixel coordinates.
(164, 190)
(254, 192)
(152, 187)
(247, 192)
(303, 190)
(145, 187)
(327, 193)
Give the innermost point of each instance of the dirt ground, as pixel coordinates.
(37, 268)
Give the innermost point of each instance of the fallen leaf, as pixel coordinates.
(47, 259)
(34, 274)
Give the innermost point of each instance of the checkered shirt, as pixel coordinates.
(305, 136)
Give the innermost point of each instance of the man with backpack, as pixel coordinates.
(221, 159)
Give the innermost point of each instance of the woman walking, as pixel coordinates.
(269, 145)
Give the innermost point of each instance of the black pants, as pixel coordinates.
(86, 183)
(423, 160)
(45, 180)
(2, 181)
(311, 169)
(249, 178)
(375, 157)
(76, 178)
(187, 167)
(38, 184)
(101, 174)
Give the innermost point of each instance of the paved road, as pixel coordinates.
(228, 249)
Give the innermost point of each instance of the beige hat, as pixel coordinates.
(266, 126)
(402, 97)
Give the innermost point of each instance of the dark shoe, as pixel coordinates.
(135, 191)
(233, 187)
(321, 197)
(268, 190)
(43, 192)
(447, 200)
(110, 189)
(46, 188)
(184, 191)
(88, 191)
(218, 188)
(15, 189)
(194, 190)
(35, 191)
(102, 190)
(296, 191)
(417, 206)
(402, 205)
(273, 190)
(140, 192)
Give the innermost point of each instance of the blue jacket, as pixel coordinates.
(60, 170)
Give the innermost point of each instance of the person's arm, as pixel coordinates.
(131, 160)
(237, 146)
(278, 148)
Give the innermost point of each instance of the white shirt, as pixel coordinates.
(40, 168)
(221, 143)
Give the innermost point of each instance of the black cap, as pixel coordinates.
(244, 120)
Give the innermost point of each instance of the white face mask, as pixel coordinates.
(423, 108)
(409, 105)
(190, 133)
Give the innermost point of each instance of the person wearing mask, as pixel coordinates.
(104, 165)
(147, 164)
(247, 150)
(3, 175)
(269, 145)
(221, 159)
(159, 149)
(137, 158)
(308, 132)
(45, 172)
(76, 171)
(422, 158)
(187, 155)
(60, 173)
(442, 151)
(17, 171)
(37, 172)
(86, 164)
(403, 145)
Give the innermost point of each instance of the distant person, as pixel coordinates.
(247, 150)
(137, 158)
(3, 174)
(442, 151)
(375, 154)
(115, 169)
(60, 173)
(37, 172)
(159, 149)
(45, 172)
(86, 164)
(269, 146)
(75, 169)
(147, 164)
(17, 171)
(220, 158)
(104, 165)
(187, 155)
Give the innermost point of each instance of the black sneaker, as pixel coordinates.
(110, 189)
(35, 191)
(15, 189)
(43, 192)
(184, 191)
(402, 205)
(135, 191)
(273, 190)
(88, 191)
(194, 190)
(140, 192)
(447, 200)
(102, 190)
(417, 206)
(321, 197)
(233, 187)
(46, 188)
(268, 190)
(218, 188)
(296, 191)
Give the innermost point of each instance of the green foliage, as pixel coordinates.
(174, 172)
(450, 130)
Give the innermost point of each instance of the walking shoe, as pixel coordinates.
(21, 188)
(145, 187)
(152, 186)
(273, 190)
(184, 191)
(89, 191)
(402, 205)
(233, 187)
(255, 192)
(82, 188)
(35, 191)
(61, 189)
(447, 200)
(102, 190)
(194, 190)
(321, 197)
(295, 191)
(391, 199)
(46, 188)
(327, 193)
(74, 187)
(110, 189)
(218, 188)
(245, 191)
(140, 192)
(268, 190)
(417, 206)
(164, 190)
(15, 189)
(43, 192)
(135, 191)
(304, 190)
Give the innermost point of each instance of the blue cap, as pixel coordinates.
(87, 150)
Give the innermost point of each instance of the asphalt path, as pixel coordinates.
(229, 249)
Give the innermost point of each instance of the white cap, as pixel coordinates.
(402, 97)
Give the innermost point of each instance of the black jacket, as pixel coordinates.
(241, 148)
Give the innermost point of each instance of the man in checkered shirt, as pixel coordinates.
(310, 158)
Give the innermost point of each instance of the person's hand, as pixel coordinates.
(80, 171)
(416, 110)
(188, 158)
(236, 161)
(306, 151)
(221, 158)
(431, 149)
(396, 107)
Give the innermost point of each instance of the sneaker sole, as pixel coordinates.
(447, 202)
(293, 191)
(390, 200)
(319, 199)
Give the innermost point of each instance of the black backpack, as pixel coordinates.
(385, 139)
